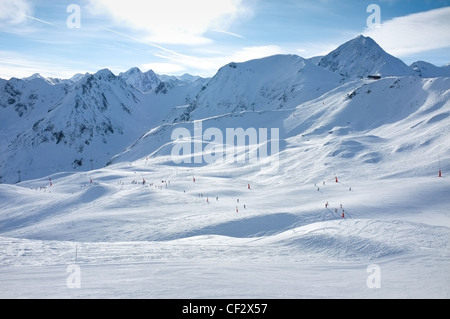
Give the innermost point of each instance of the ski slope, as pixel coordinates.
(166, 240)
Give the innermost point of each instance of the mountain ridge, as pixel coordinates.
(93, 117)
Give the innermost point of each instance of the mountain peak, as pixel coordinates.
(37, 76)
(365, 41)
(134, 70)
(144, 82)
(361, 57)
(363, 38)
(77, 77)
(104, 74)
(34, 76)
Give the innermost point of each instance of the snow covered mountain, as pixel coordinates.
(428, 70)
(77, 120)
(50, 126)
(374, 122)
(361, 57)
(151, 82)
(144, 82)
(276, 82)
(185, 78)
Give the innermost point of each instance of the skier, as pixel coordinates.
(248, 186)
(237, 210)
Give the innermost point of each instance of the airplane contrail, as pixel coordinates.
(42, 21)
(148, 43)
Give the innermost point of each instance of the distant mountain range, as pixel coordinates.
(52, 125)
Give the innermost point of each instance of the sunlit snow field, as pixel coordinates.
(175, 238)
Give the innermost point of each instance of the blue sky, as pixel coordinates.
(65, 37)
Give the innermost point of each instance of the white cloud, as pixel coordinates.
(172, 21)
(14, 12)
(163, 68)
(209, 65)
(253, 52)
(13, 64)
(414, 33)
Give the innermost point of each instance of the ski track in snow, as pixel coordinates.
(160, 241)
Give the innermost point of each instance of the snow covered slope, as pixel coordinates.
(276, 82)
(377, 122)
(428, 70)
(175, 238)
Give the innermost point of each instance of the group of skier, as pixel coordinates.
(341, 212)
(217, 197)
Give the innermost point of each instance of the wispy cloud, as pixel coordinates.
(172, 21)
(17, 65)
(163, 68)
(414, 33)
(14, 12)
(15, 16)
(142, 41)
(203, 62)
(208, 65)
